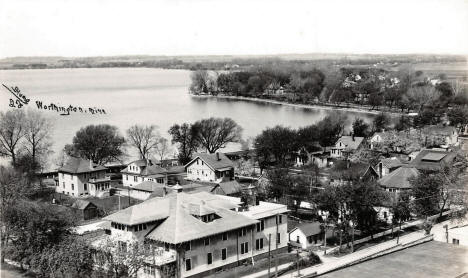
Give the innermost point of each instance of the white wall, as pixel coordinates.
(200, 171)
(73, 184)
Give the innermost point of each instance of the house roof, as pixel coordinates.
(211, 159)
(81, 204)
(350, 142)
(399, 178)
(181, 225)
(308, 229)
(148, 186)
(391, 162)
(432, 160)
(79, 165)
(227, 188)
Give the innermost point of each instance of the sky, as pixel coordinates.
(231, 27)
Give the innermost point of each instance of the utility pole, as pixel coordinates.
(276, 245)
(297, 263)
(269, 254)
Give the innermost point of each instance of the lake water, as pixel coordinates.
(144, 96)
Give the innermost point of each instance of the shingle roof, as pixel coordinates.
(177, 209)
(229, 187)
(350, 143)
(391, 162)
(438, 129)
(312, 228)
(81, 204)
(421, 161)
(79, 165)
(399, 178)
(147, 186)
(211, 159)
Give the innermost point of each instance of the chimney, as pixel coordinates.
(217, 156)
(90, 164)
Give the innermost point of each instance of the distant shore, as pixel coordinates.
(306, 106)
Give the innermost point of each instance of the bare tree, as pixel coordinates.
(163, 148)
(37, 134)
(422, 95)
(216, 133)
(12, 130)
(144, 138)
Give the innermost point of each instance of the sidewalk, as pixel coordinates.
(330, 263)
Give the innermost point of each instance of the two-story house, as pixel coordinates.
(200, 233)
(142, 170)
(346, 145)
(81, 177)
(210, 167)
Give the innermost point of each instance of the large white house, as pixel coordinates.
(142, 170)
(81, 177)
(210, 167)
(199, 233)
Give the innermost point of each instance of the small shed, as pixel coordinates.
(306, 235)
(86, 209)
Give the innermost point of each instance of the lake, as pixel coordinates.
(144, 96)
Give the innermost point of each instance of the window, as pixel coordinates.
(188, 246)
(160, 180)
(73, 186)
(278, 238)
(242, 232)
(209, 258)
(223, 254)
(63, 183)
(85, 187)
(279, 219)
(126, 177)
(188, 264)
(259, 243)
(122, 246)
(207, 241)
(261, 225)
(225, 236)
(309, 239)
(135, 178)
(455, 241)
(298, 240)
(244, 247)
(197, 161)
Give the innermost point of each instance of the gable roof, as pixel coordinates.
(432, 160)
(308, 229)
(399, 178)
(76, 165)
(177, 211)
(350, 142)
(227, 188)
(82, 204)
(211, 159)
(391, 162)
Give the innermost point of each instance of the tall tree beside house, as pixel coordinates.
(360, 128)
(329, 129)
(185, 137)
(275, 146)
(99, 143)
(12, 130)
(381, 122)
(37, 135)
(144, 138)
(215, 133)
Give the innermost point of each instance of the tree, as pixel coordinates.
(360, 128)
(144, 139)
(426, 191)
(37, 135)
(458, 117)
(12, 129)
(381, 122)
(404, 123)
(216, 133)
(279, 182)
(185, 136)
(329, 129)
(122, 259)
(99, 143)
(163, 148)
(201, 82)
(375, 100)
(275, 145)
(423, 95)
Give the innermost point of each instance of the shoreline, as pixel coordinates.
(304, 106)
